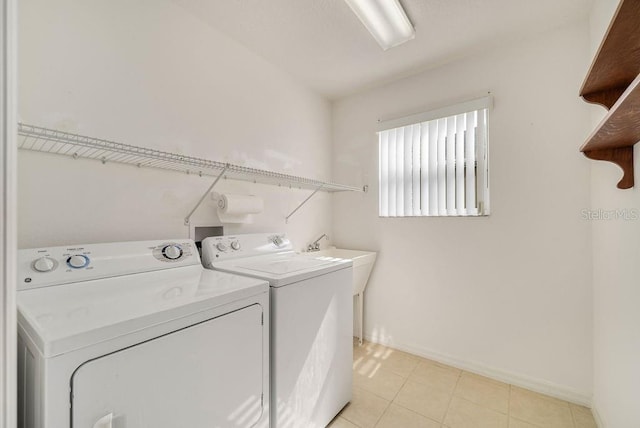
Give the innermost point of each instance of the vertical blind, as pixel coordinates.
(437, 167)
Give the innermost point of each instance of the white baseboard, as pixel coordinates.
(582, 398)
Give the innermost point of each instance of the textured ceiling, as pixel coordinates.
(323, 44)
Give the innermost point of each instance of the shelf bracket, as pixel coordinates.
(606, 97)
(188, 217)
(621, 156)
(303, 202)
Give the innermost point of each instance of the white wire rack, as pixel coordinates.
(47, 140)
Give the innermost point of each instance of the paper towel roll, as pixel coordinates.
(240, 204)
(238, 208)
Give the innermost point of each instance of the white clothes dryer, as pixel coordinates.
(311, 323)
(138, 334)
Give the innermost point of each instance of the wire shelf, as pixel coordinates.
(39, 139)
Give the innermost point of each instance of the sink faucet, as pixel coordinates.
(315, 245)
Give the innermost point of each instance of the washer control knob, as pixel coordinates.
(78, 261)
(44, 264)
(172, 252)
(235, 245)
(221, 246)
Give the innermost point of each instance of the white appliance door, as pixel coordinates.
(204, 376)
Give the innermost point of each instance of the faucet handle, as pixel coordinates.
(277, 240)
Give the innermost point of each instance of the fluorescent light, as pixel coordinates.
(385, 19)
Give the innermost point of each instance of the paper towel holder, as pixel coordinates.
(237, 208)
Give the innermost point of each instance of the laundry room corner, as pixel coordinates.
(474, 275)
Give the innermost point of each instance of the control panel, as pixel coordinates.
(218, 248)
(40, 267)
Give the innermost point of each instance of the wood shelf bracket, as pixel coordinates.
(613, 81)
(621, 156)
(606, 97)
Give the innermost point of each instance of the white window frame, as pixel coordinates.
(419, 144)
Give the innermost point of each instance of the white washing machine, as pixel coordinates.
(138, 334)
(311, 324)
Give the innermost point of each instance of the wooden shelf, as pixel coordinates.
(617, 62)
(615, 136)
(613, 81)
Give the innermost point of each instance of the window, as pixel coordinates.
(436, 163)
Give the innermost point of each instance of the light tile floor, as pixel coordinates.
(393, 389)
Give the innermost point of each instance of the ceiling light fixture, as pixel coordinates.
(385, 19)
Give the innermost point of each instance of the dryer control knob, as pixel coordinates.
(172, 252)
(221, 246)
(44, 264)
(78, 261)
(235, 245)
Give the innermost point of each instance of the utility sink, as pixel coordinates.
(362, 265)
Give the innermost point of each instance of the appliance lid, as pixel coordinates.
(68, 317)
(282, 265)
(283, 268)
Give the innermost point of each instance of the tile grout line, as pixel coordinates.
(378, 395)
(509, 407)
(451, 399)
(363, 346)
(349, 420)
(382, 414)
(396, 395)
(509, 412)
(404, 382)
(417, 413)
(485, 406)
(388, 401)
(573, 418)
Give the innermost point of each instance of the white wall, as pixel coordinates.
(508, 295)
(149, 73)
(8, 161)
(616, 275)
